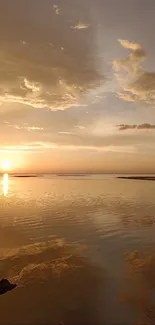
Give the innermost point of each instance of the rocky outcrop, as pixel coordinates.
(6, 286)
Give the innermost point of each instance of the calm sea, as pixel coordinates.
(80, 248)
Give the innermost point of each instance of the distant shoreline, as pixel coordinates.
(24, 176)
(138, 178)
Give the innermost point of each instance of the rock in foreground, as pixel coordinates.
(6, 286)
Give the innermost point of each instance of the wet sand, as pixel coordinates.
(74, 247)
(54, 286)
(139, 284)
(138, 178)
(24, 176)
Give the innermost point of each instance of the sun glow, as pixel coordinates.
(6, 165)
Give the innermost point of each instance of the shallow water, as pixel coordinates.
(70, 242)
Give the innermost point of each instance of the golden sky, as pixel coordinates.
(77, 85)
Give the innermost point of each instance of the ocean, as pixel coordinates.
(79, 247)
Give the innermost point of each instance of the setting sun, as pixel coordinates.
(6, 165)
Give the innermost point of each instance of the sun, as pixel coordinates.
(6, 165)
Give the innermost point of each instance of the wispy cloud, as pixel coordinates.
(28, 128)
(27, 147)
(24, 126)
(32, 86)
(80, 127)
(35, 95)
(57, 9)
(81, 25)
(42, 146)
(144, 126)
(56, 77)
(23, 42)
(66, 133)
(135, 83)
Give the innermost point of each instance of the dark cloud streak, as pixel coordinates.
(144, 126)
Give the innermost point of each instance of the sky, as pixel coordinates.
(77, 85)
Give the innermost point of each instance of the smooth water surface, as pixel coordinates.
(80, 249)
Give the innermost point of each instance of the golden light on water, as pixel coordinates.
(5, 184)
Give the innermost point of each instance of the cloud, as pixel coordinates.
(42, 146)
(81, 26)
(23, 42)
(80, 127)
(66, 133)
(132, 46)
(28, 128)
(57, 9)
(58, 96)
(32, 86)
(27, 147)
(135, 83)
(144, 126)
(24, 126)
(36, 74)
(71, 139)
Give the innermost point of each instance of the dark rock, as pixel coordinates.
(6, 286)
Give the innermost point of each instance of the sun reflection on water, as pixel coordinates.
(5, 184)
